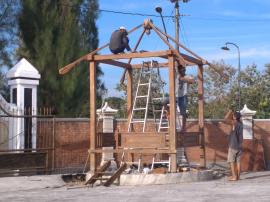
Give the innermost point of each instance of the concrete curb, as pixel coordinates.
(170, 178)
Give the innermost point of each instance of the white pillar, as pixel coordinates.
(247, 119)
(23, 80)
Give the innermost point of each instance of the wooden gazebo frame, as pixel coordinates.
(173, 57)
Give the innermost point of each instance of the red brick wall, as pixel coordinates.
(72, 140)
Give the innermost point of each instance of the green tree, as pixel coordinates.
(218, 95)
(60, 31)
(8, 28)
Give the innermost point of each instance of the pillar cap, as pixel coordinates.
(247, 112)
(23, 69)
(107, 110)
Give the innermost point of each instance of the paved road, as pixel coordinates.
(252, 187)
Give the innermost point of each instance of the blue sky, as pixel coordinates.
(206, 26)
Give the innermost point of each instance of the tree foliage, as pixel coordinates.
(8, 28)
(53, 34)
(221, 90)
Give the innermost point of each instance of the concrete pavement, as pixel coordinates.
(251, 187)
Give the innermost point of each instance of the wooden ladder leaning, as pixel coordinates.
(99, 174)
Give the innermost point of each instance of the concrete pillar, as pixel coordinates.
(23, 80)
(106, 115)
(247, 119)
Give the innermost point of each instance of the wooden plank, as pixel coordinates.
(138, 150)
(99, 173)
(172, 129)
(201, 115)
(128, 55)
(116, 175)
(188, 139)
(116, 63)
(141, 140)
(93, 85)
(26, 160)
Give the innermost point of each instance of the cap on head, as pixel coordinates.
(122, 28)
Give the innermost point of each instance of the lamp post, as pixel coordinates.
(225, 47)
(159, 10)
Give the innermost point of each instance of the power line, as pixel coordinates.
(172, 17)
(228, 20)
(138, 14)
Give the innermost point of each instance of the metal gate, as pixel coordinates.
(26, 141)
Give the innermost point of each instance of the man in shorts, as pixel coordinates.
(235, 146)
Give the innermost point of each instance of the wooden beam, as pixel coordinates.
(128, 55)
(201, 115)
(116, 63)
(180, 58)
(93, 86)
(182, 46)
(138, 66)
(129, 61)
(172, 128)
(129, 94)
(192, 60)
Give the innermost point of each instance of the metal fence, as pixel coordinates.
(27, 141)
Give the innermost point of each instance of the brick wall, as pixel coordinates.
(72, 140)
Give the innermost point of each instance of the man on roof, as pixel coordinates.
(119, 41)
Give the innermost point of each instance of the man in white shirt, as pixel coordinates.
(182, 88)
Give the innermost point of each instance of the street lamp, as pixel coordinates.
(159, 10)
(225, 47)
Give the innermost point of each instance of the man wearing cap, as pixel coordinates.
(119, 41)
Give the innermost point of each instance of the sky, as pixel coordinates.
(206, 25)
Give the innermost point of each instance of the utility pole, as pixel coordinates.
(176, 14)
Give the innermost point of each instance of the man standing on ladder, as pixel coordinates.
(183, 80)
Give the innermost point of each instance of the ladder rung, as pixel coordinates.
(141, 96)
(136, 109)
(137, 121)
(143, 84)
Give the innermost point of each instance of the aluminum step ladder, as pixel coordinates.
(142, 97)
(164, 122)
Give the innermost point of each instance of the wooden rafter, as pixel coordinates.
(116, 63)
(129, 61)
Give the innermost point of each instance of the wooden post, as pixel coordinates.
(172, 129)
(129, 94)
(93, 83)
(201, 115)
